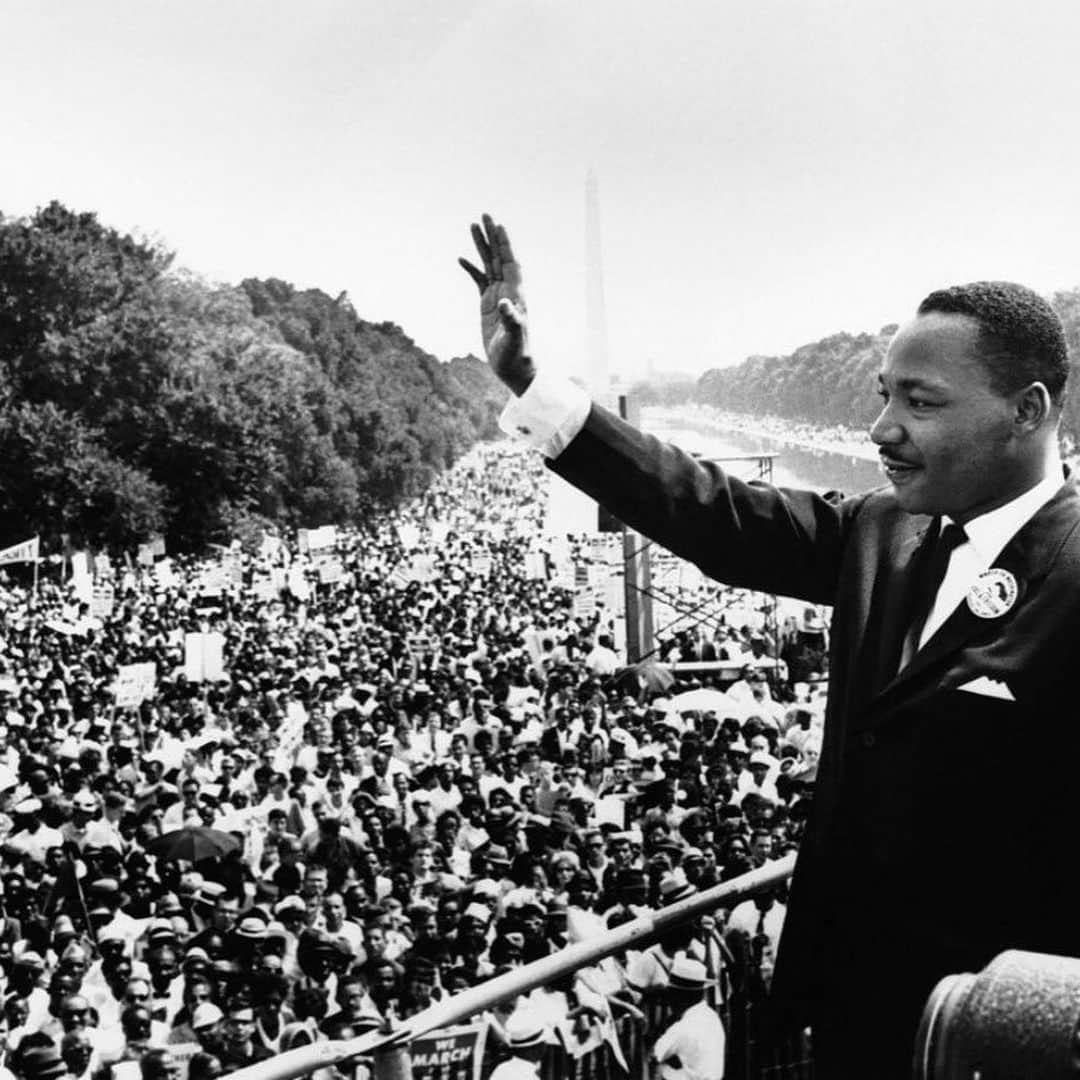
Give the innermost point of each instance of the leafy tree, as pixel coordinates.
(58, 478)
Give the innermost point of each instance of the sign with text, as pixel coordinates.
(27, 551)
(102, 601)
(134, 684)
(453, 1053)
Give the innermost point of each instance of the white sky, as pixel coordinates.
(770, 172)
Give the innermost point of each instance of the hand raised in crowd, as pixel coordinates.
(503, 323)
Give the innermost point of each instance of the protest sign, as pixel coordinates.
(263, 588)
(181, 1054)
(82, 579)
(331, 571)
(204, 657)
(324, 537)
(453, 1053)
(102, 601)
(584, 606)
(422, 569)
(409, 535)
(27, 551)
(165, 574)
(151, 550)
(135, 683)
(298, 584)
(611, 810)
(535, 566)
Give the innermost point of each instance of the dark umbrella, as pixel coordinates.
(193, 843)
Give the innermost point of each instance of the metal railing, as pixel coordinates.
(636, 934)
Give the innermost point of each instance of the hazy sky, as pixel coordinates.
(769, 172)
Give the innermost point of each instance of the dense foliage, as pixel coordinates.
(136, 399)
(832, 381)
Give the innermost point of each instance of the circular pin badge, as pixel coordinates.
(993, 593)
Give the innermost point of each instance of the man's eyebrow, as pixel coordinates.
(911, 383)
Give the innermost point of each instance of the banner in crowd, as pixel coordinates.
(535, 566)
(264, 588)
(422, 569)
(102, 600)
(82, 579)
(232, 566)
(152, 549)
(409, 535)
(165, 574)
(204, 657)
(215, 581)
(584, 603)
(135, 683)
(269, 546)
(316, 539)
(331, 570)
(453, 1053)
(298, 583)
(27, 551)
(181, 1054)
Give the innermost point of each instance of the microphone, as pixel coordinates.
(1020, 1016)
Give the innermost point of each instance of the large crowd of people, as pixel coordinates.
(420, 762)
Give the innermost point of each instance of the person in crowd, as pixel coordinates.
(692, 1048)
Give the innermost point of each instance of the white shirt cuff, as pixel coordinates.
(548, 415)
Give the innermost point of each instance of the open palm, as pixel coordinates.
(502, 305)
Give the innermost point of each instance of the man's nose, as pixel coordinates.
(886, 430)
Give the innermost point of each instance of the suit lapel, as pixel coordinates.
(1028, 557)
(889, 605)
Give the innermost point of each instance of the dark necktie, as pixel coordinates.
(926, 585)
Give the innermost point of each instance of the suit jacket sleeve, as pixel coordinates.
(751, 535)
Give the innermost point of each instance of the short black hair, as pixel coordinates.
(1021, 335)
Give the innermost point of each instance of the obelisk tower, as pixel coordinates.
(597, 375)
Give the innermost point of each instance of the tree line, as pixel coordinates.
(833, 381)
(137, 399)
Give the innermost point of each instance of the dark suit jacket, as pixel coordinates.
(942, 829)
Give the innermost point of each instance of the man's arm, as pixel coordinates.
(751, 535)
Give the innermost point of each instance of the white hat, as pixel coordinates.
(687, 974)
(479, 912)
(205, 1014)
(525, 1028)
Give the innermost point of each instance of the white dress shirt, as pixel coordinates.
(987, 536)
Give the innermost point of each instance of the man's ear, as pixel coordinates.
(1032, 407)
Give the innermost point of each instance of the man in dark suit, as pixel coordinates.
(956, 618)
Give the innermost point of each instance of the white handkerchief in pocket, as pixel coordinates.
(988, 687)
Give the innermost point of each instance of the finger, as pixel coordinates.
(477, 275)
(482, 246)
(492, 231)
(511, 272)
(502, 244)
